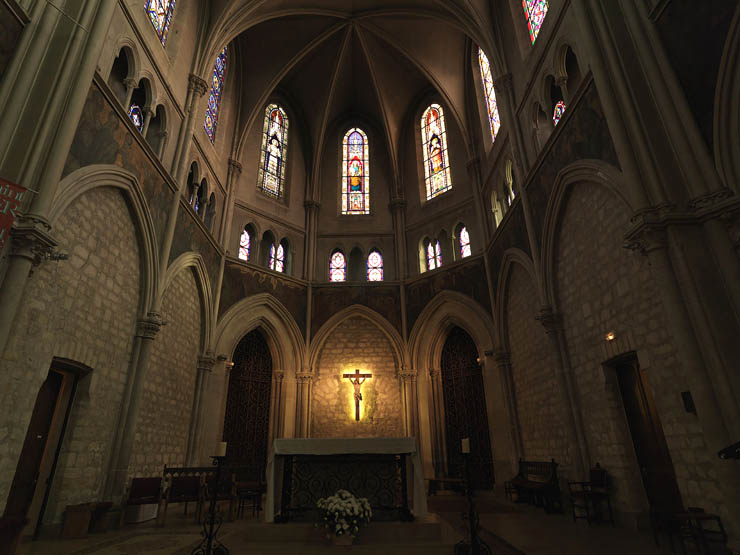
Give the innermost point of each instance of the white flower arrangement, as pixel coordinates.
(343, 513)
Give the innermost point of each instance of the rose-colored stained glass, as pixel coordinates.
(486, 74)
(535, 12)
(557, 114)
(160, 14)
(355, 173)
(337, 267)
(375, 266)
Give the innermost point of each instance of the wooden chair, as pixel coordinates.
(589, 497)
(537, 483)
(182, 489)
(225, 490)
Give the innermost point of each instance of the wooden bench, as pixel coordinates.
(537, 483)
(587, 498)
(184, 484)
(143, 491)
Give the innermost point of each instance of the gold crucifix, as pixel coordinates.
(357, 380)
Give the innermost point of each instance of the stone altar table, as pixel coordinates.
(299, 471)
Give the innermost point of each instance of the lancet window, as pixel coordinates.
(535, 12)
(214, 97)
(337, 267)
(557, 114)
(375, 266)
(355, 173)
(160, 14)
(464, 238)
(277, 258)
(434, 255)
(434, 144)
(245, 245)
(271, 178)
(486, 74)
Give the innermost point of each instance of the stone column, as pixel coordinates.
(439, 456)
(130, 85)
(197, 87)
(203, 369)
(148, 115)
(276, 406)
(147, 329)
(562, 82)
(163, 138)
(232, 178)
(506, 102)
(304, 400)
(503, 363)
(553, 324)
(409, 402)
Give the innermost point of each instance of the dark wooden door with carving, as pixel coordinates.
(247, 422)
(465, 409)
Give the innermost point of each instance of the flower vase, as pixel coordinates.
(344, 539)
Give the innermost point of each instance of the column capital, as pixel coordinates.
(311, 203)
(397, 203)
(130, 83)
(206, 362)
(303, 377)
(408, 374)
(648, 230)
(149, 326)
(197, 85)
(502, 358)
(503, 82)
(163, 134)
(278, 374)
(552, 321)
(30, 238)
(434, 372)
(473, 164)
(710, 200)
(235, 166)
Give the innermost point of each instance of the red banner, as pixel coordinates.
(11, 202)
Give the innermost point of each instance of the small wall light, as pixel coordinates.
(610, 336)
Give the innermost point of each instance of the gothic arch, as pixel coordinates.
(364, 312)
(88, 178)
(727, 111)
(194, 261)
(583, 171)
(263, 310)
(511, 257)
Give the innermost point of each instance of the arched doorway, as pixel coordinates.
(465, 409)
(247, 420)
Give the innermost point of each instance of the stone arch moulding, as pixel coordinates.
(583, 171)
(195, 261)
(263, 310)
(128, 44)
(727, 110)
(446, 310)
(511, 257)
(364, 312)
(90, 177)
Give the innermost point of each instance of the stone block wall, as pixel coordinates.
(83, 309)
(166, 404)
(536, 386)
(602, 287)
(356, 343)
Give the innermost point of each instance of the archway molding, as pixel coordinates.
(90, 177)
(727, 110)
(512, 257)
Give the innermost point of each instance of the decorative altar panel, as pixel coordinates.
(385, 470)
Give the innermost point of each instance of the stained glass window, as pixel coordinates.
(274, 149)
(134, 112)
(214, 97)
(160, 13)
(375, 266)
(558, 112)
(464, 237)
(492, 108)
(277, 258)
(434, 255)
(245, 245)
(355, 173)
(535, 11)
(337, 267)
(434, 144)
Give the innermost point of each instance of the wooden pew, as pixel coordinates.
(537, 483)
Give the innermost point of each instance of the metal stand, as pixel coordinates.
(475, 545)
(209, 545)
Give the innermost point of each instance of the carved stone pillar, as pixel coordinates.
(276, 406)
(130, 85)
(232, 177)
(197, 87)
(204, 368)
(553, 323)
(503, 363)
(439, 453)
(148, 115)
(163, 137)
(409, 402)
(562, 82)
(303, 413)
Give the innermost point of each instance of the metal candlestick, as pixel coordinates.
(475, 545)
(209, 545)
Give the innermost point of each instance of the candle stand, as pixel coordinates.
(209, 545)
(473, 544)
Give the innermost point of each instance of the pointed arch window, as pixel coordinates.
(464, 238)
(494, 121)
(271, 177)
(375, 266)
(134, 112)
(434, 144)
(337, 267)
(355, 173)
(557, 114)
(214, 97)
(434, 255)
(277, 258)
(160, 14)
(535, 12)
(245, 245)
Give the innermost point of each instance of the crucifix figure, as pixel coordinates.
(357, 380)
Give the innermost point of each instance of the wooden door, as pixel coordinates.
(656, 466)
(247, 421)
(465, 409)
(26, 476)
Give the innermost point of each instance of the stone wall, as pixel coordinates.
(164, 417)
(356, 343)
(601, 287)
(83, 309)
(536, 386)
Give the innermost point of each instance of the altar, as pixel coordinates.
(385, 470)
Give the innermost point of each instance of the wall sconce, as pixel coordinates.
(610, 336)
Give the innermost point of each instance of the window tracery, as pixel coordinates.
(494, 121)
(245, 245)
(355, 173)
(271, 177)
(337, 267)
(464, 238)
(375, 266)
(214, 97)
(535, 12)
(160, 14)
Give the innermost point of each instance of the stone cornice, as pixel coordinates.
(30, 238)
(148, 327)
(552, 321)
(206, 362)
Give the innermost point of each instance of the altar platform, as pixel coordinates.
(385, 470)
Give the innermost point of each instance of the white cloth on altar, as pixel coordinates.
(350, 446)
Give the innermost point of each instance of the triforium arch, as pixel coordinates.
(511, 257)
(90, 177)
(286, 346)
